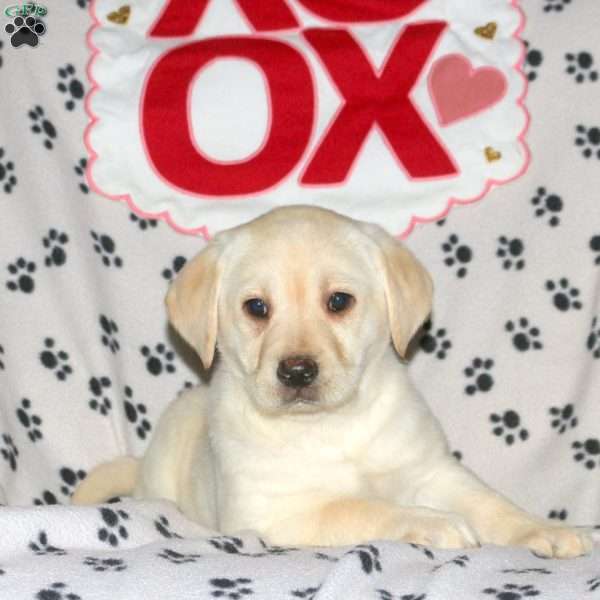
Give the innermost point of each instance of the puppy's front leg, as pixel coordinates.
(495, 519)
(356, 520)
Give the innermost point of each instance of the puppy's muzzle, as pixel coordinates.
(297, 371)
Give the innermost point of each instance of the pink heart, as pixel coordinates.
(459, 91)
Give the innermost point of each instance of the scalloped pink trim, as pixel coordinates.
(203, 230)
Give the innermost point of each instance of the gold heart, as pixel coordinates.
(487, 31)
(120, 16)
(491, 155)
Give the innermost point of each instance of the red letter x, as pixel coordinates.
(380, 99)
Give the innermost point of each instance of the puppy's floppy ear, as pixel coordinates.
(408, 288)
(192, 302)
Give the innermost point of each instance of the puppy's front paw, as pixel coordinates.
(438, 529)
(552, 541)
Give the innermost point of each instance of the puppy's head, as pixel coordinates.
(300, 301)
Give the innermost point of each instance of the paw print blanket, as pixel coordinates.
(510, 360)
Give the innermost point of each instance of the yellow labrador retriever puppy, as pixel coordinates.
(310, 431)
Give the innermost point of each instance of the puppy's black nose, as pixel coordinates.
(297, 371)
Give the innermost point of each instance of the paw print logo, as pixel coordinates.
(25, 31)
(143, 224)
(512, 591)
(105, 564)
(100, 402)
(113, 530)
(563, 418)
(70, 479)
(79, 169)
(105, 246)
(234, 589)
(55, 360)
(435, 342)
(511, 251)
(593, 339)
(508, 425)
(47, 499)
(478, 375)
(228, 544)
(594, 584)
(176, 265)
(587, 453)
(22, 271)
(308, 593)
(42, 546)
(558, 515)
(533, 61)
(135, 414)
(564, 297)
(164, 528)
(547, 204)
(555, 5)
(30, 421)
(177, 558)
(595, 248)
(588, 140)
(458, 255)
(108, 335)
(70, 86)
(581, 66)
(10, 451)
(158, 360)
(57, 591)
(8, 179)
(55, 242)
(368, 556)
(42, 126)
(524, 336)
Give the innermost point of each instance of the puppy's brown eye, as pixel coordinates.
(257, 307)
(339, 301)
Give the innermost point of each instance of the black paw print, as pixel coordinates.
(176, 265)
(42, 547)
(55, 360)
(580, 65)
(113, 530)
(593, 339)
(105, 564)
(30, 421)
(234, 589)
(10, 451)
(7, 176)
(177, 558)
(42, 125)
(511, 251)
(547, 203)
(435, 342)
(23, 270)
(423, 550)
(164, 528)
(512, 591)
(533, 61)
(587, 453)
(386, 595)
(135, 414)
(70, 479)
(588, 140)
(1, 59)
(508, 425)
(563, 296)
(109, 332)
(154, 362)
(105, 246)
(80, 168)
(228, 544)
(54, 242)
(524, 337)
(100, 402)
(594, 584)
(25, 31)
(458, 254)
(595, 248)
(1, 356)
(70, 85)
(555, 5)
(460, 561)
(539, 571)
(308, 593)
(83, 3)
(563, 418)
(47, 499)
(478, 373)
(368, 556)
(57, 591)
(143, 224)
(558, 515)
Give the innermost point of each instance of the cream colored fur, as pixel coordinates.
(355, 456)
